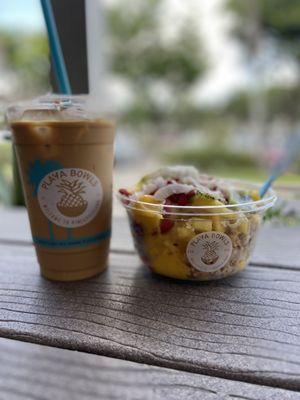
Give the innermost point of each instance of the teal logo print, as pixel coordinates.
(70, 197)
(60, 195)
(38, 169)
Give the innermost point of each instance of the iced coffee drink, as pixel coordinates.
(65, 158)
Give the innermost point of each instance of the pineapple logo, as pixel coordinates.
(209, 251)
(70, 197)
(210, 256)
(71, 203)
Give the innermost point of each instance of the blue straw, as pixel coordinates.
(57, 55)
(266, 186)
(292, 149)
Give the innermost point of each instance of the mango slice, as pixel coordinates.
(145, 215)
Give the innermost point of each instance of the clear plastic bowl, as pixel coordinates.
(196, 242)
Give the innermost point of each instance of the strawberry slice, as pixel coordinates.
(182, 199)
(166, 208)
(173, 198)
(170, 191)
(124, 192)
(166, 225)
(191, 194)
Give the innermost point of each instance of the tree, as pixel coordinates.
(276, 19)
(276, 23)
(27, 56)
(149, 63)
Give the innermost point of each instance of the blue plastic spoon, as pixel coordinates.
(291, 151)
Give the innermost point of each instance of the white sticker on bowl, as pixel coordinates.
(209, 251)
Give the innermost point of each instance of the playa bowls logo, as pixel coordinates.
(210, 255)
(209, 251)
(71, 203)
(70, 197)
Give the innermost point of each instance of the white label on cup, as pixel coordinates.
(70, 197)
(209, 251)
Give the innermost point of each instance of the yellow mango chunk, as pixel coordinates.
(147, 198)
(153, 245)
(244, 226)
(255, 220)
(241, 264)
(205, 201)
(204, 225)
(184, 233)
(170, 265)
(255, 195)
(217, 224)
(145, 215)
(165, 258)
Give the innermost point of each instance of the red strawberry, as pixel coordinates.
(166, 225)
(191, 194)
(178, 198)
(166, 208)
(173, 198)
(124, 192)
(182, 199)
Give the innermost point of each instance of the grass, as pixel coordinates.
(246, 172)
(256, 175)
(226, 163)
(5, 172)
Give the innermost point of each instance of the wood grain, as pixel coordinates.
(30, 371)
(243, 328)
(15, 229)
(276, 246)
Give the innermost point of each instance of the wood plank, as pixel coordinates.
(14, 224)
(14, 228)
(243, 328)
(276, 246)
(40, 372)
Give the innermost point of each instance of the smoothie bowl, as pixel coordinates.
(192, 226)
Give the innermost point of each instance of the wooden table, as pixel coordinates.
(138, 336)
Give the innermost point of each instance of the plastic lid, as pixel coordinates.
(192, 211)
(52, 107)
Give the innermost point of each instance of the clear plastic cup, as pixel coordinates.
(197, 242)
(65, 158)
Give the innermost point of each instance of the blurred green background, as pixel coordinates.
(224, 100)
